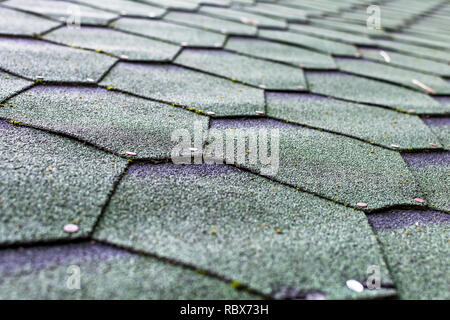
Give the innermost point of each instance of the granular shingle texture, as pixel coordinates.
(177, 219)
(170, 32)
(106, 273)
(280, 53)
(359, 89)
(211, 23)
(113, 121)
(34, 58)
(369, 123)
(117, 43)
(186, 87)
(244, 69)
(64, 11)
(38, 192)
(9, 85)
(335, 167)
(224, 149)
(417, 256)
(393, 74)
(127, 8)
(432, 171)
(20, 23)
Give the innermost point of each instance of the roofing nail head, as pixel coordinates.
(129, 153)
(71, 228)
(362, 204)
(355, 286)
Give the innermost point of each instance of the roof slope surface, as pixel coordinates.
(208, 146)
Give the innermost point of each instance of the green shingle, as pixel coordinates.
(174, 33)
(20, 23)
(245, 69)
(359, 89)
(244, 17)
(10, 85)
(323, 45)
(278, 12)
(419, 51)
(418, 260)
(174, 4)
(63, 11)
(186, 87)
(126, 8)
(111, 120)
(105, 273)
(333, 166)
(432, 172)
(435, 44)
(403, 60)
(280, 52)
(35, 58)
(211, 23)
(335, 24)
(114, 42)
(441, 127)
(334, 35)
(393, 74)
(369, 123)
(48, 182)
(268, 236)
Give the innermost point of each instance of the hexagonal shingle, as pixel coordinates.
(407, 61)
(369, 123)
(174, 4)
(359, 89)
(127, 8)
(211, 23)
(115, 42)
(441, 127)
(10, 85)
(39, 272)
(432, 172)
(389, 73)
(281, 53)
(435, 54)
(416, 255)
(35, 58)
(184, 213)
(278, 12)
(48, 182)
(62, 10)
(244, 17)
(245, 69)
(14, 22)
(111, 120)
(323, 45)
(186, 87)
(333, 166)
(174, 33)
(341, 36)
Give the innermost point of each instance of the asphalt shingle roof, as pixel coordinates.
(356, 174)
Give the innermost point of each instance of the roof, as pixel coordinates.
(343, 173)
